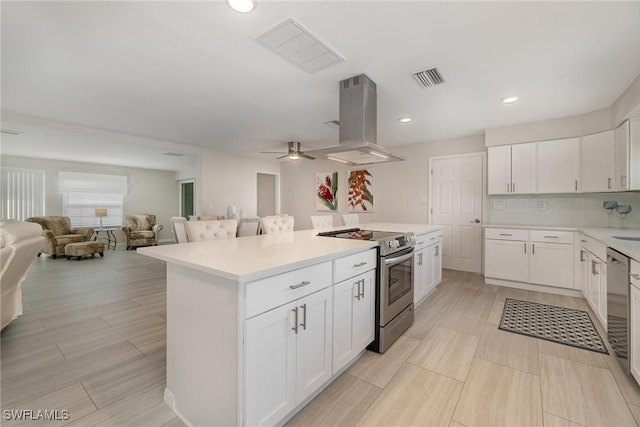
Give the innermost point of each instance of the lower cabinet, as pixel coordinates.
(353, 317)
(551, 264)
(634, 322)
(506, 260)
(419, 275)
(288, 356)
(592, 276)
(427, 265)
(434, 265)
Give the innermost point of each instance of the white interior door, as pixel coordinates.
(456, 199)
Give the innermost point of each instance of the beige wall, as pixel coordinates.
(400, 188)
(628, 104)
(150, 191)
(226, 180)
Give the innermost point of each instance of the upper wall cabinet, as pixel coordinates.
(622, 157)
(512, 169)
(598, 162)
(558, 165)
(628, 155)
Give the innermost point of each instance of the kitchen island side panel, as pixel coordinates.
(205, 354)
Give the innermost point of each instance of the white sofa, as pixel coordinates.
(20, 243)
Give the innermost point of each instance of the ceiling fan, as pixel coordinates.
(294, 152)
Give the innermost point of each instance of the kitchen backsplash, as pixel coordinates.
(563, 209)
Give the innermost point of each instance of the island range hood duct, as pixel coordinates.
(358, 126)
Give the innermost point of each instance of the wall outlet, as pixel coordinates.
(497, 205)
(542, 205)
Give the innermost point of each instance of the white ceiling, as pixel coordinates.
(192, 73)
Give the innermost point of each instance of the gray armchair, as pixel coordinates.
(141, 230)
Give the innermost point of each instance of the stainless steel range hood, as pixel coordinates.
(358, 126)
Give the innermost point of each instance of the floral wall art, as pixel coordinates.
(327, 191)
(360, 194)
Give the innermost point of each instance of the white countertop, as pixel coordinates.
(603, 235)
(250, 258)
(400, 228)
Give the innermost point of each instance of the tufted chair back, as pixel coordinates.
(211, 230)
(321, 221)
(277, 224)
(351, 220)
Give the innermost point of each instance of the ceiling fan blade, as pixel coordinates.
(272, 152)
(306, 156)
(282, 157)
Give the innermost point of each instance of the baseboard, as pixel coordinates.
(531, 287)
(170, 399)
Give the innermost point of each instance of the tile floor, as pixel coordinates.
(92, 341)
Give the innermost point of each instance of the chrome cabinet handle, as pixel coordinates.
(513, 187)
(525, 247)
(304, 316)
(358, 291)
(576, 185)
(623, 181)
(437, 250)
(299, 285)
(295, 320)
(505, 234)
(550, 237)
(609, 183)
(593, 267)
(362, 282)
(360, 264)
(582, 256)
(507, 187)
(533, 249)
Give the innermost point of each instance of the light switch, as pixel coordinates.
(497, 205)
(542, 205)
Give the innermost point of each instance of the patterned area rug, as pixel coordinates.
(557, 324)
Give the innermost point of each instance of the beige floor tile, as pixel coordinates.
(454, 423)
(627, 384)
(431, 401)
(340, 404)
(446, 352)
(582, 393)
(468, 320)
(73, 399)
(572, 353)
(496, 395)
(551, 420)
(23, 363)
(442, 300)
(425, 319)
(495, 313)
(483, 299)
(509, 349)
(378, 369)
(174, 422)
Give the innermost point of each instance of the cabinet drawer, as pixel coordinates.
(422, 240)
(352, 265)
(507, 234)
(433, 238)
(552, 236)
(593, 246)
(265, 294)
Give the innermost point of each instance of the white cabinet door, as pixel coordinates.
(622, 157)
(499, 170)
(558, 165)
(364, 313)
(551, 264)
(598, 288)
(506, 259)
(353, 317)
(313, 342)
(434, 266)
(270, 366)
(581, 280)
(523, 168)
(598, 162)
(634, 333)
(420, 276)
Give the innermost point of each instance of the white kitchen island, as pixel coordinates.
(259, 325)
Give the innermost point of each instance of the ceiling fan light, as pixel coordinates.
(510, 99)
(242, 6)
(294, 156)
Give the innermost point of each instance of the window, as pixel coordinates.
(83, 193)
(22, 193)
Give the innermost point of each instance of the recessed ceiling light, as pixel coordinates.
(242, 6)
(510, 99)
(405, 119)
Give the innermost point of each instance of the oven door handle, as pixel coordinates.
(400, 258)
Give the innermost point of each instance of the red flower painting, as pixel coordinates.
(327, 191)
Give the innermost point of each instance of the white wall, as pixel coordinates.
(226, 180)
(628, 104)
(150, 191)
(400, 188)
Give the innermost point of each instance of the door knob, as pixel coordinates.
(475, 221)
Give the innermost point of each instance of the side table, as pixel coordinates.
(109, 237)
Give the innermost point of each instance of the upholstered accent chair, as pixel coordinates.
(58, 232)
(20, 242)
(352, 220)
(211, 230)
(141, 230)
(321, 221)
(277, 224)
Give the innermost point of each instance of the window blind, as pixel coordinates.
(80, 208)
(22, 193)
(76, 182)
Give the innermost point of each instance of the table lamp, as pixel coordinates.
(101, 212)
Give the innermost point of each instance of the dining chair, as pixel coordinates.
(321, 221)
(277, 224)
(179, 229)
(248, 226)
(211, 230)
(352, 220)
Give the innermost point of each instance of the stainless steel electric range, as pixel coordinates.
(394, 283)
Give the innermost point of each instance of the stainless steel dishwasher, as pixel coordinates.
(618, 283)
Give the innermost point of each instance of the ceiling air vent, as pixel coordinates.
(428, 78)
(173, 154)
(297, 45)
